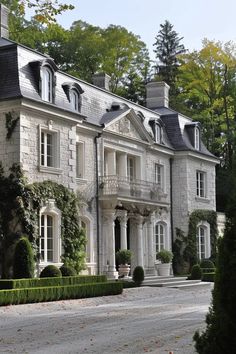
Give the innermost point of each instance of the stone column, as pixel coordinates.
(122, 167)
(151, 251)
(109, 235)
(111, 161)
(122, 217)
(139, 226)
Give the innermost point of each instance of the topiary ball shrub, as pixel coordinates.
(67, 271)
(138, 275)
(50, 271)
(207, 263)
(23, 263)
(196, 272)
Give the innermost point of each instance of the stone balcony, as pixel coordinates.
(123, 187)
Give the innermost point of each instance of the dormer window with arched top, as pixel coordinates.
(73, 93)
(47, 84)
(157, 132)
(197, 138)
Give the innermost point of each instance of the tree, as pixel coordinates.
(167, 48)
(219, 335)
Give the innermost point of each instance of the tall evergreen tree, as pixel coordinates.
(219, 335)
(167, 48)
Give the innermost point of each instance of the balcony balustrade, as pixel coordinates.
(114, 185)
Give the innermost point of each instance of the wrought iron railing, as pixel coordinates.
(133, 188)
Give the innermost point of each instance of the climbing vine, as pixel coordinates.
(20, 204)
(11, 122)
(185, 247)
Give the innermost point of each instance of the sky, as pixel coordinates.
(192, 19)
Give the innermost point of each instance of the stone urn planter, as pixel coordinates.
(165, 258)
(123, 258)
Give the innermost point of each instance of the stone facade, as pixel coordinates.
(138, 171)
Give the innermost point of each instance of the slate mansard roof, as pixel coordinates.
(19, 77)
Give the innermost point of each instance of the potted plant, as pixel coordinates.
(123, 258)
(165, 257)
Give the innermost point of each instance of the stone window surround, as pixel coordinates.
(51, 210)
(206, 227)
(47, 83)
(55, 169)
(88, 221)
(201, 191)
(80, 160)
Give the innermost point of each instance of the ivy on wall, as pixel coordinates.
(20, 204)
(185, 247)
(11, 122)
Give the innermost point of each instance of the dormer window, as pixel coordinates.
(157, 133)
(75, 100)
(196, 138)
(47, 84)
(73, 93)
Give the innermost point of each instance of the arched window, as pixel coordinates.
(160, 236)
(196, 138)
(47, 84)
(75, 100)
(50, 241)
(157, 133)
(203, 241)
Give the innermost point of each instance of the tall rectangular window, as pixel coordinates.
(131, 168)
(46, 240)
(201, 184)
(158, 174)
(47, 149)
(80, 160)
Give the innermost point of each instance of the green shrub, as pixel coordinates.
(208, 277)
(123, 256)
(138, 275)
(43, 282)
(24, 296)
(196, 272)
(207, 263)
(67, 271)
(50, 271)
(23, 263)
(164, 256)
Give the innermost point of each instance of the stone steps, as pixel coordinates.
(173, 282)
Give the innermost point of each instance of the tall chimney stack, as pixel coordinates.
(157, 94)
(4, 11)
(102, 80)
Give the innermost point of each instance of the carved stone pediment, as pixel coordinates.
(124, 127)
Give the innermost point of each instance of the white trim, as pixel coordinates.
(204, 225)
(55, 166)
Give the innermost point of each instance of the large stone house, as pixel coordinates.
(140, 171)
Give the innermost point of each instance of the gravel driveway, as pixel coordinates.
(141, 320)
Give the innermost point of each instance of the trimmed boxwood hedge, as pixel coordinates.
(55, 293)
(208, 277)
(57, 281)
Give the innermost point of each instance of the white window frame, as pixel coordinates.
(201, 184)
(203, 248)
(44, 166)
(75, 100)
(158, 133)
(80, 159)
(50, 210)
(131, 168)
(46, 84)
(159, 174)
(196, 138)
(160, 236)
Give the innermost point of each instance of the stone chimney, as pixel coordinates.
(157, 94)
(102, 80)
(4, 11)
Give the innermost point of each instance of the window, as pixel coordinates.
(159, 174)
(46, 238)
(203, 240)
(75, 100)
(48, 152)
(80, 160)
(160, 237)
(201, 184)
(196, 138)
(157, 133)
(131, 168)
(50, 243)
(47, 84)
